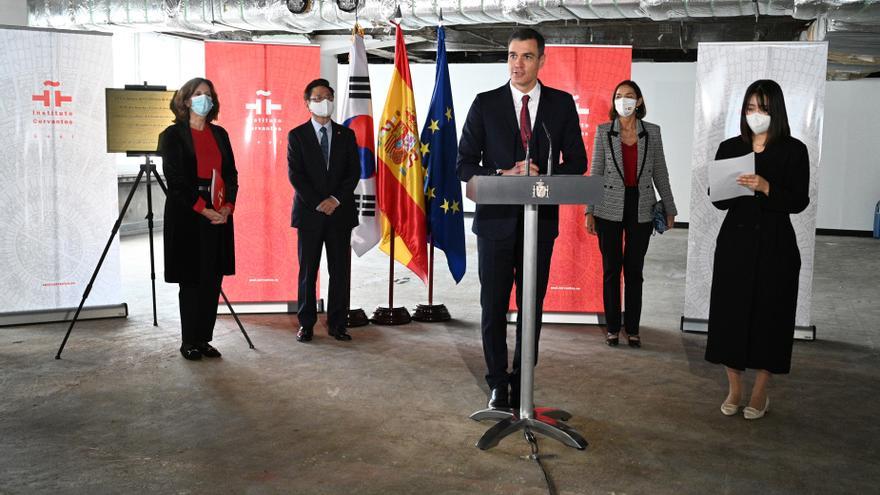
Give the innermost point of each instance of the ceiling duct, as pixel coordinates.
(210, 16)
(850, 24)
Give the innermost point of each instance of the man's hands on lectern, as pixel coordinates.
(519, 168)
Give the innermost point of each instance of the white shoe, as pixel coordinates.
(729, 409)
(752, 413)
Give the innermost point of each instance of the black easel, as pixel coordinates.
(148, 169)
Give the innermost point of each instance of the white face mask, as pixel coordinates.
(758, 122)
(323, 108)
(625, 106)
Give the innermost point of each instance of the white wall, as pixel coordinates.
(466, 79)
(668, 91)
(158, 60)
(849, 171)
(13, 12)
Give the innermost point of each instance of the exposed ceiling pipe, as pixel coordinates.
(210, 16)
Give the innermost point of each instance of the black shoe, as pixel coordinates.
(339, 334)
(612, 339)
(208, 350)
(190, 352)
(634, 341)
(498, 398)
(304, 334)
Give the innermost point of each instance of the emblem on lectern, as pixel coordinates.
(540, 190)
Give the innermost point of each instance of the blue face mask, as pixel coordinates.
(201, 105)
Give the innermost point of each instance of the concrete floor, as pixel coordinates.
(387, 412)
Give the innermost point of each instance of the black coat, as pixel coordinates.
(313, 182)
(190, 238)
(757, 262)
(490, 140)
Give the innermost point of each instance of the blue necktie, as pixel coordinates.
(325, 146)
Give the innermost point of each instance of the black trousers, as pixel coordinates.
(630, 256)
(309, 242)
(500, 265)
(198, 308)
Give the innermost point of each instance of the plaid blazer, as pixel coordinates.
(608, 162)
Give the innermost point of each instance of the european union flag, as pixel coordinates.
(442, 187)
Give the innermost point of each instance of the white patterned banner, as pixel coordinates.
(724, 71)
(58, 194)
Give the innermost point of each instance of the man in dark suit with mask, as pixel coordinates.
(324, 168)
(501, 126)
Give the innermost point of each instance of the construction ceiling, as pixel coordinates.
(477, 30)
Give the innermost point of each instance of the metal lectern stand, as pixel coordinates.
(531, 191)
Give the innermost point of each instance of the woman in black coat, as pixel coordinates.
(202, 180)
(757, 261)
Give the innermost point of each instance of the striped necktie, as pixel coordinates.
(325, 147)
(525, 122)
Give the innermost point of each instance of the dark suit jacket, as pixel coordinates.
(490, 140)
(314, 183)
(182, 224)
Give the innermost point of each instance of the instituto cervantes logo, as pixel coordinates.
(50, 108)
(264, 111)
(398, 138)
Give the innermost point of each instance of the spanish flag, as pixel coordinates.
(401, 177)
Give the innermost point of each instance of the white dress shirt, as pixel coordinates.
(534, 97)
(329, 127)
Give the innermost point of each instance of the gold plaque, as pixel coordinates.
(135, 118)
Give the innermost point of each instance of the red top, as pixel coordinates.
(630, 164)
(208, 158)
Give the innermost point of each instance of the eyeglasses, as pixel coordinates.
(319, 99)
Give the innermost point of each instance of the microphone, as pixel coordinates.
(528, 168)
(550, 151)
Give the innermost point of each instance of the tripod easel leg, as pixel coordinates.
(234, 315)
(149, 169)
(88, 290)
(150, 229)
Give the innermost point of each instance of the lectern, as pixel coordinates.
(531, 191)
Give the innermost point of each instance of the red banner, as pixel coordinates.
(590, 74)
(260, 89)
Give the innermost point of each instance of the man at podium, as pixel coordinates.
(516, 130)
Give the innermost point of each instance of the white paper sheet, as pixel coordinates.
(723, 174)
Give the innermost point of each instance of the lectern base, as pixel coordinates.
(384, 315)
(356, 318)
(431, 313)
(547, 421)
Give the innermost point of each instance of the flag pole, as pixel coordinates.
(356, 317)
(391, 272)
(389, 315)
(431, 274)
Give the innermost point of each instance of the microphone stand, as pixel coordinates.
(550, 152)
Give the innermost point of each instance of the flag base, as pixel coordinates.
(431, 313)
(356, 318)
(383, 315)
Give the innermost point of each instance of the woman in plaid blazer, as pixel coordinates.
(628, 153)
